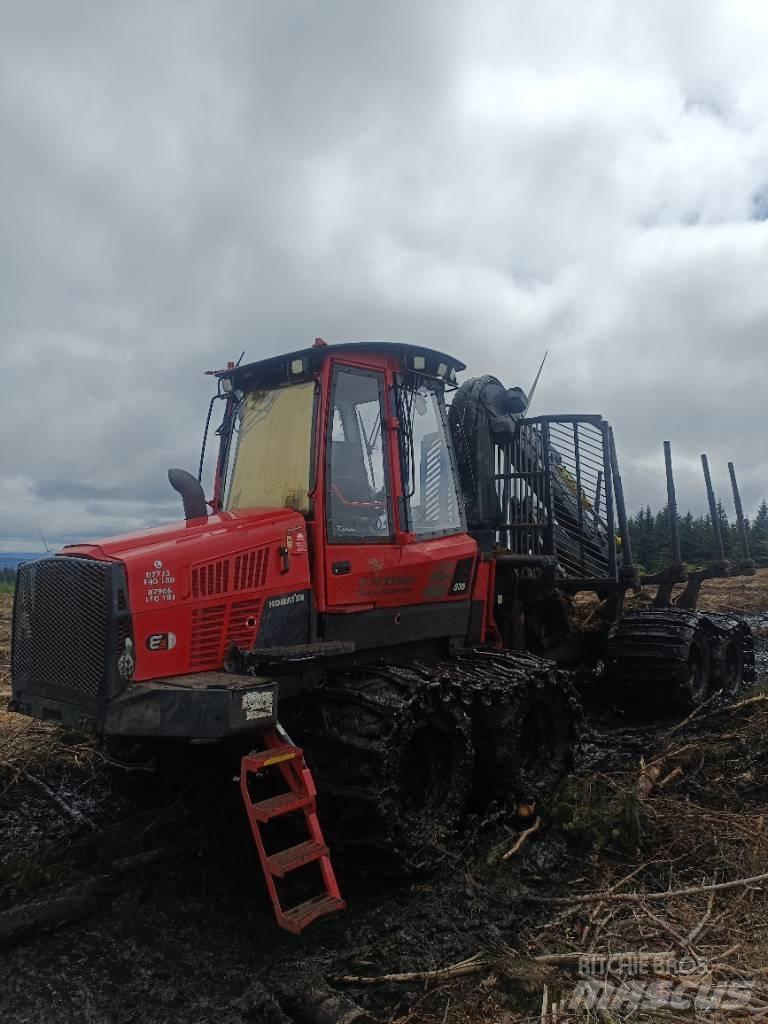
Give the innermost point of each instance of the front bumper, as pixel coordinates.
(207, 705)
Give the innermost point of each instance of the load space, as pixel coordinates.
(374, 602)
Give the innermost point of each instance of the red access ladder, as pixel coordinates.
(289, 760)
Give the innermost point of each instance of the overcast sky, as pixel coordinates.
(180, 181)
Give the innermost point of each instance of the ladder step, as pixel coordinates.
(297, 918)
(284, 803)
(273, 755)
(296, 857)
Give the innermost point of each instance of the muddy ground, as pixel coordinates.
(186, 934)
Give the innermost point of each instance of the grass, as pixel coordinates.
(6, 588)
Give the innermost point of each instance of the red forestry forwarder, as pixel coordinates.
(389, 569)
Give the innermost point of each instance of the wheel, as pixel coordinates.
(697, 686)
(658, 660)
(732, 656)
(730, 670)
(524, 744)
(393, 762)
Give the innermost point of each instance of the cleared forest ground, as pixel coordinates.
(162, 917)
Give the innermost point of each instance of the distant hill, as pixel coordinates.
(12, 559)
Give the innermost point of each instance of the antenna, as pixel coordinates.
(532, 392)
(45, 543)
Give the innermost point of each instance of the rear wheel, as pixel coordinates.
(732, 667)
(732, 653)
(660, 660)
(698, 684)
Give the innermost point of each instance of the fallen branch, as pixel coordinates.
(649, 776)
(30, 918)
(472, 965)
(521, 839)
(482, 961)
(63, 806)
(699, 928)
(674, 774)
(77, 902)
(694, 714)
(141, 860)
(640, 897)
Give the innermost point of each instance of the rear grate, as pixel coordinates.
(555, 490)
(61, 627)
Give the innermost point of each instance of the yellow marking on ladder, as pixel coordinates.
(279, 757)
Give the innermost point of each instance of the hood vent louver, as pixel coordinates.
(251, 569)
(246, 571)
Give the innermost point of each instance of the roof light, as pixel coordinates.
(226, 385)
(419, 362)
(297, 366)
(442, 370)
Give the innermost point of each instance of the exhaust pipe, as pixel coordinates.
(191, 491)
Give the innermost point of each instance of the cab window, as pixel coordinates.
(431, 494)
(358, 490)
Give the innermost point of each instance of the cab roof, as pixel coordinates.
(306, 361)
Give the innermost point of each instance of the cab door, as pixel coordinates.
(396, 536)
(362, 553)
(438, 548)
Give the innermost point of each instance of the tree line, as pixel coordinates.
(650, 536)
(7, 575)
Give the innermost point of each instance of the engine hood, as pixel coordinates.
(194, 587)
(240, 528)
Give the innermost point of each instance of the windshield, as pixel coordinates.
(271, 448)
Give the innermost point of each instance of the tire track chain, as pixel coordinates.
(648, 650)
(351, 724)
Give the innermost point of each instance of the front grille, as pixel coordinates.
(67, 624)
(205, 649)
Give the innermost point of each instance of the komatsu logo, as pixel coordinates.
(281, 602)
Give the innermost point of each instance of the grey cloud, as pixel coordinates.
(184, 181)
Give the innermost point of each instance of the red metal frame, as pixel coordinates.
(301, 794)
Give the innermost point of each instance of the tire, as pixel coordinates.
(524, 745)
(393, 762)
(697, 685)
(732, 653)
(729, 667)
(659, 660)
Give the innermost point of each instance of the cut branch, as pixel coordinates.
(521, 839)
(640, 897)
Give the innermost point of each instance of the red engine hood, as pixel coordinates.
(195, 586)
(241, 528)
